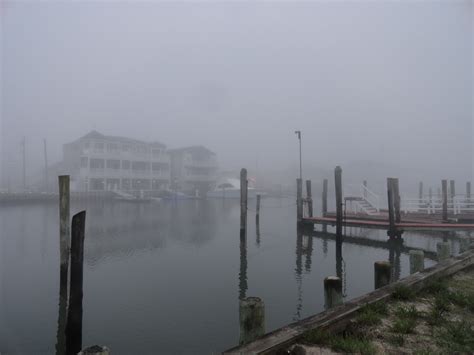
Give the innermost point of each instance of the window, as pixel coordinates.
(126, 164)
(99, 147)
(113, 164)
(126, 184)
(112, 147)
(140, 165)
(97, 163)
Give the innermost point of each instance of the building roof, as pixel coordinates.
(193, 148)
(97, 135)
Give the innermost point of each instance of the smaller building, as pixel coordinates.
(193, 170)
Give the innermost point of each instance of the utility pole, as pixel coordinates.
(45, 166)
(23, 143)
(298, 133)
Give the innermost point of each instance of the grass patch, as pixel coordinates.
(371, 314)
(461, 299)
(407, 312)
(436, 286)
(439, 307)
(346, 342)
(396, 339)
(404, 325)
(403, 293)
(456, 337)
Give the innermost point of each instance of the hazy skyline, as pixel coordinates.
(389, 82)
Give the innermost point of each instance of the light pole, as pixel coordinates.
(298, 133)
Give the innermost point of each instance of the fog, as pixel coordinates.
(377, 87)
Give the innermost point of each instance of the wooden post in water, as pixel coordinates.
(299, 200)
(332, 291)
(430, 202)
(243, 201)
(382, 273)
(452, 189)
(74, 317)
(309, 198)
(417, 261)
(391, 210)
(420, 194)
(468, 190)
(444, 188)
(396, 200)
(252, 319)
(325, 197)
(257, 215)
(64, 231)
(338, 185)
(443, 250)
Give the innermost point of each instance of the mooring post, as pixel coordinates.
(325, 197)
(252, 319)
(74, 317)
(420, 194)
(332, 291)
(417, 261)
(243, 201)
(444, 188)
(468, 190)
(64, 208)
(95, 350)
(64, 232)
(257, 216)
(338, 185)
(299, 200)
(452, 189)
(309, 198)
(382, 273)
(396, 200)
(430, 197)
(391, 205)
(443, 250)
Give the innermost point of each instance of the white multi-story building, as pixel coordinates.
(193, 170)
(99, 163)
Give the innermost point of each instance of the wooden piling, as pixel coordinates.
(417, 261)
(299, 200)
(338, 185)
(332, 292)
(443, 250)
(64, 210)
(391, 209)
(396, 200)
(243, 201)
(257, 215)
(420, 194)
(430, 200)
(444, 188)
(452, 189)
(252, 319)
(64, 232)
(325, 197)
(382, 273)
(309, 198)
(74, 317)
(468, 190)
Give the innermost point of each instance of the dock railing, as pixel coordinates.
(457, 205)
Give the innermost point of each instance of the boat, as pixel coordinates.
(230, 188)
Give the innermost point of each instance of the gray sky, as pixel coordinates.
(374, 81)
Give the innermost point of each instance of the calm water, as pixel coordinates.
(166, 278)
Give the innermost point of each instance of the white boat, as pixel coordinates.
(230, 188)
